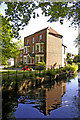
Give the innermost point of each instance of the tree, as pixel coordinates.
(76, 59)
(69, 59)
(19, 13)
(9, 48)
(77, 41)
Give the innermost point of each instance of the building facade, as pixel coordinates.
(44, 45)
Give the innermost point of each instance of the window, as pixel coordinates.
(37, 48)
(24, 49)
(33, 40)
(25, 59)
(37, 59)
(28, 49)
(28, 59)
(27, 42)
(40, 37)
(41, 58)
(41, 47)
(33, 49)
(33, 60)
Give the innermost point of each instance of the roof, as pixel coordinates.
(51, 31)
(37, 32)
(54, 32)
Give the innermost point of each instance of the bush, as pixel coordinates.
(79, 66)
(70, 61)
(20, 63)
(41, 66)
(76, 59)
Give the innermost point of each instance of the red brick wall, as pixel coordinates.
(36, 36)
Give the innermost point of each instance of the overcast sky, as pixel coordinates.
(69, 34)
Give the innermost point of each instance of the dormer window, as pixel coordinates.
(40, 37)
(27, 42)
(33, 40)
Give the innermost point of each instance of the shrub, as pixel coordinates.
(79, 66)
(70, 61)
(41, 66)
(76, 59)
(50, 73)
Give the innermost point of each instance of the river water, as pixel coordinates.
(58, 99)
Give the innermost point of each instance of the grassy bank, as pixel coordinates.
(11, 78)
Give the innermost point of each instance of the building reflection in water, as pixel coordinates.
(46, 98)
(54, 96)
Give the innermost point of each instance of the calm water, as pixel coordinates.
(55, 100)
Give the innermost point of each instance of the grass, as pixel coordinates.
(10, 77)
(72, 68)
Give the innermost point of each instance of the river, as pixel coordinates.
(58, 99)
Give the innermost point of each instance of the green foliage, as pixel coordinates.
(19, 13)
(73, 66)
(79, 66)
(77, 41)
(41, 66)
(50, 73)
(9, 48)
(70, 61)
(68, 55)
(76, 59)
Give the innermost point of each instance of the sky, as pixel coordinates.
(69, 33)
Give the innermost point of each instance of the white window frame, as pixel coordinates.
(32, 49)
(25, 59)
(42, 46)
(36, 47)
(27, 49)
(39, 57)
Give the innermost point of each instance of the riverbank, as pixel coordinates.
(15, 79)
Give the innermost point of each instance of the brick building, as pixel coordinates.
(44, 45)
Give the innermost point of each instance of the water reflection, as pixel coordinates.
(9, 104)
(54, 99)
(79, 91)
(45, 98)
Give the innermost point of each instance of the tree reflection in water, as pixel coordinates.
(9, 104)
